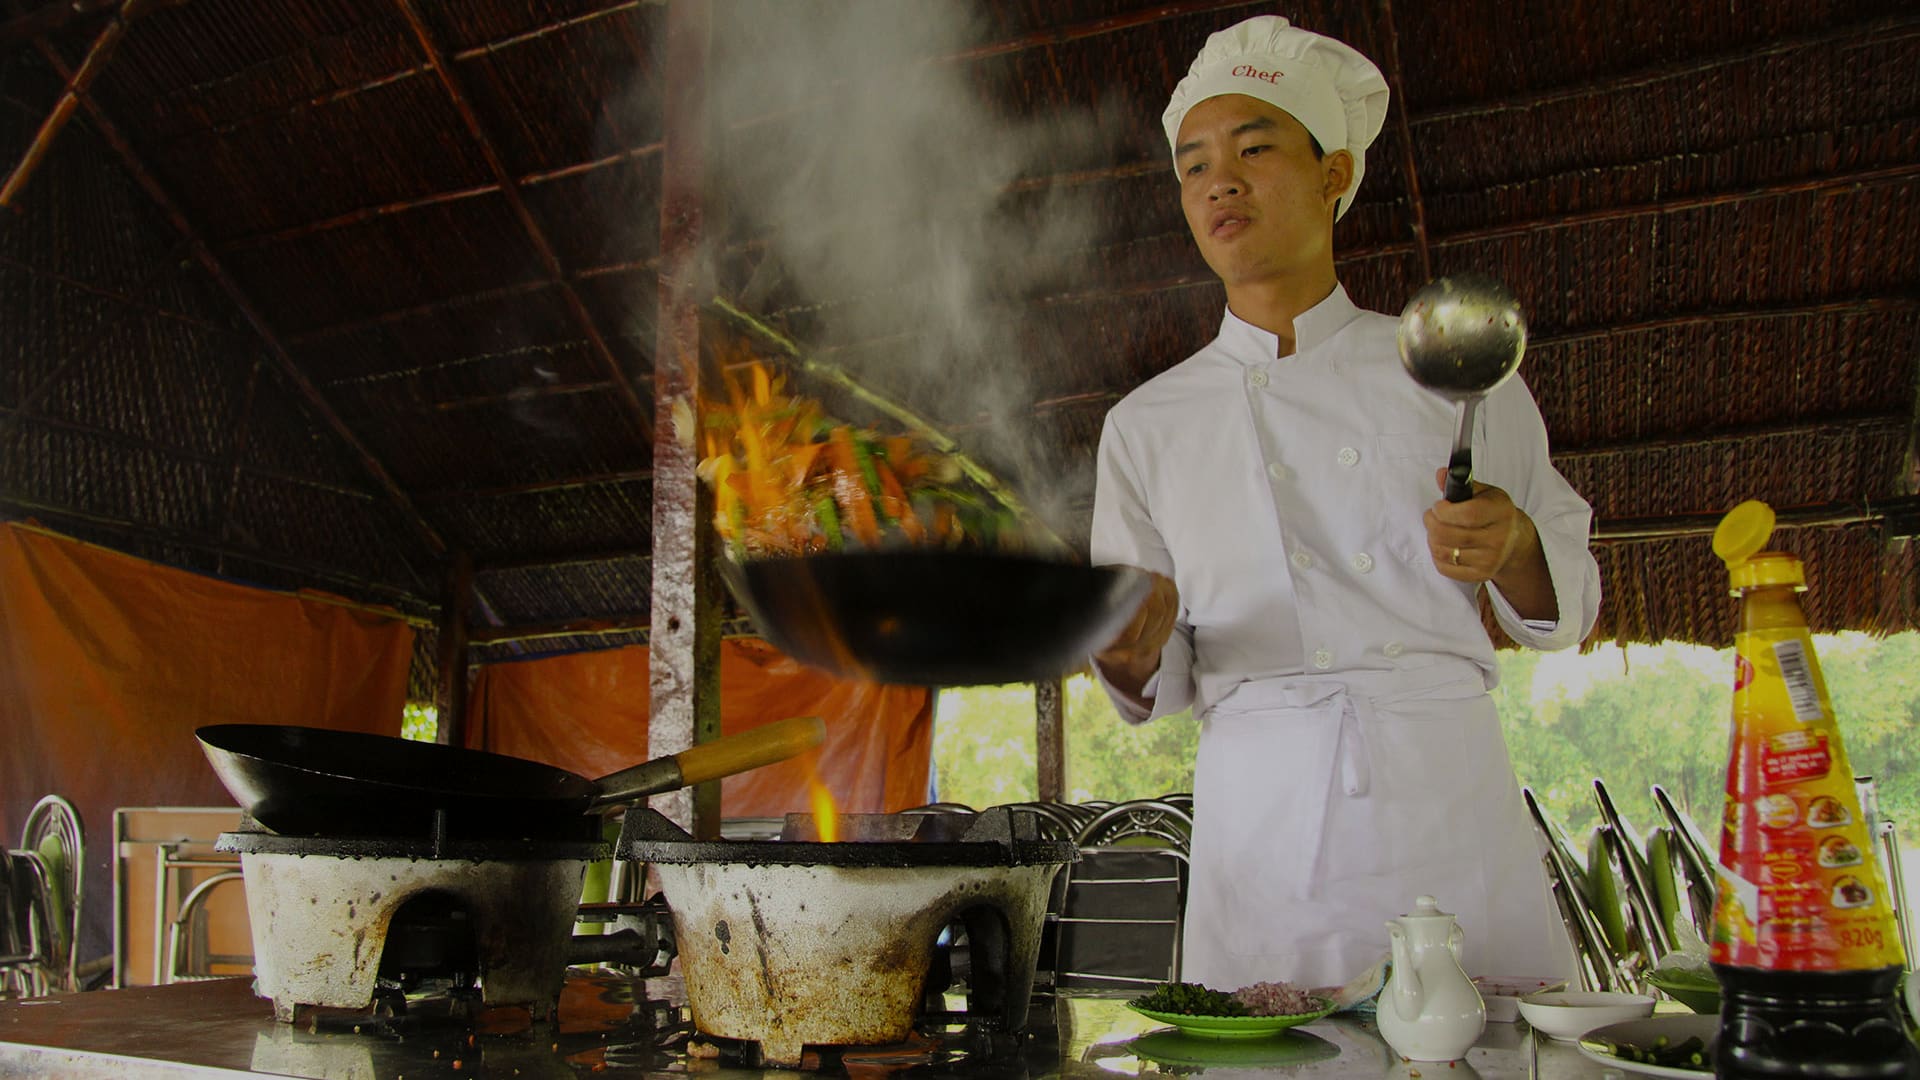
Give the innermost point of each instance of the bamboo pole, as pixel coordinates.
(77, 85)
(1900, 514)
(576, 307)
(110, 132)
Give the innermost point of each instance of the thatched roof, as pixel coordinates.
(315, 293)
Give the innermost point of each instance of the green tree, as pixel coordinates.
(1112, 760)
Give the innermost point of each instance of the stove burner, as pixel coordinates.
(796, 943)
(338, 919)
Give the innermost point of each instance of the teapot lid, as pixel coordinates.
(1426, 907)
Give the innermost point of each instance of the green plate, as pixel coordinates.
(1233, 1027)
(1285, 1048)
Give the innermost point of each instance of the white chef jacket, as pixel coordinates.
(1350, 758)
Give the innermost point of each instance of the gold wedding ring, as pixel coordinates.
(1455, 556)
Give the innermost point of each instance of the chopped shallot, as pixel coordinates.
(1277, 999)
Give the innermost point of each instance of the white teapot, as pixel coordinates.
(1430, 1010)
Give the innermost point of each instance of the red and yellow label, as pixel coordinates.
(1800, 889)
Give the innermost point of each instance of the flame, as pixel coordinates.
(826, 815)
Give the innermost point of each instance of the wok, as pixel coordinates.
(935, 617)
(312, 781)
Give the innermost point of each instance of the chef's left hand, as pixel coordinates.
(1475, 540)
(1488, 538)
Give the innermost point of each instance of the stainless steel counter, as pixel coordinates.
(610, 1027)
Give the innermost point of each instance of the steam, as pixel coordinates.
(882, 185)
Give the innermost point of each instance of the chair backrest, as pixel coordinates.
(28, 958)
(54, 834)
(1121, 917)
(1149, 822)
(1055, 821)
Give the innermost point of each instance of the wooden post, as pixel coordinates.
(1050, 736)
(684, 644)
(451, 698)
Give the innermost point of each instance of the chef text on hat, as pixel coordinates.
(1337, 94)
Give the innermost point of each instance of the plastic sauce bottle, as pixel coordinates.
(1803, 939)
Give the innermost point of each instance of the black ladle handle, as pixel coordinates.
(1460, 464)
(1460, 476)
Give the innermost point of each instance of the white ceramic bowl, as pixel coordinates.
(1569, 1014)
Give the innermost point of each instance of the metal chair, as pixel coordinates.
(1054, 820)
(177, 948)
(22, 972)
(39, 946)
(1151, 818)
(1124, 905)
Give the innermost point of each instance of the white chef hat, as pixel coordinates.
(1337, 94)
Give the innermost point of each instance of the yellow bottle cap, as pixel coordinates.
(1738, 540)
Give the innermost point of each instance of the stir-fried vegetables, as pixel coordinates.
(790, 480)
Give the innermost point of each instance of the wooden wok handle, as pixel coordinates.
(763, 745)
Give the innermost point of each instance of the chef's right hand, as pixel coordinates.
(1132, 657)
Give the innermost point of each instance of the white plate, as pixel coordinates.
(1677, 1028)
(1502, 994)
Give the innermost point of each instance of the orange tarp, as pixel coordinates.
(587, 712)
(108, 663)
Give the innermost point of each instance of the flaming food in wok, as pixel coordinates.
(893, 557)
(790, 480)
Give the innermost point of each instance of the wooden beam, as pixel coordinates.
(540, 487)
(1867, 305)
(591, 627)
(604, 626)
(129, 299)
(77, 85)
(1050, 739)
(1829, 184)
(438, 198)
(547, 560)
(1880, 31)
(684, 647)
(1901, 514)
(576, 307)
(283, 359)
(214, 465)
(450, 698)
(1882, 425)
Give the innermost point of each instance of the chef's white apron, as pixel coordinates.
(1324, 804)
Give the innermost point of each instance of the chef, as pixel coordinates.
(1315, 602)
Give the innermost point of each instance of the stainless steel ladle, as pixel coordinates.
(1461, 336)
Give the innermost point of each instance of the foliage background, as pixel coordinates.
(1632, 716)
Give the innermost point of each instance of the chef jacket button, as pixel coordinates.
(1394, 649)
(1302, 560)
(1322, 659)
(1348, 456)
(1362, 562)
(1258, 377)
(1277, 471)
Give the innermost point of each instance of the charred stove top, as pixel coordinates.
(362, 926)
(798, 945)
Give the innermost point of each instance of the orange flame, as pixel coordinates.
(826, 815)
